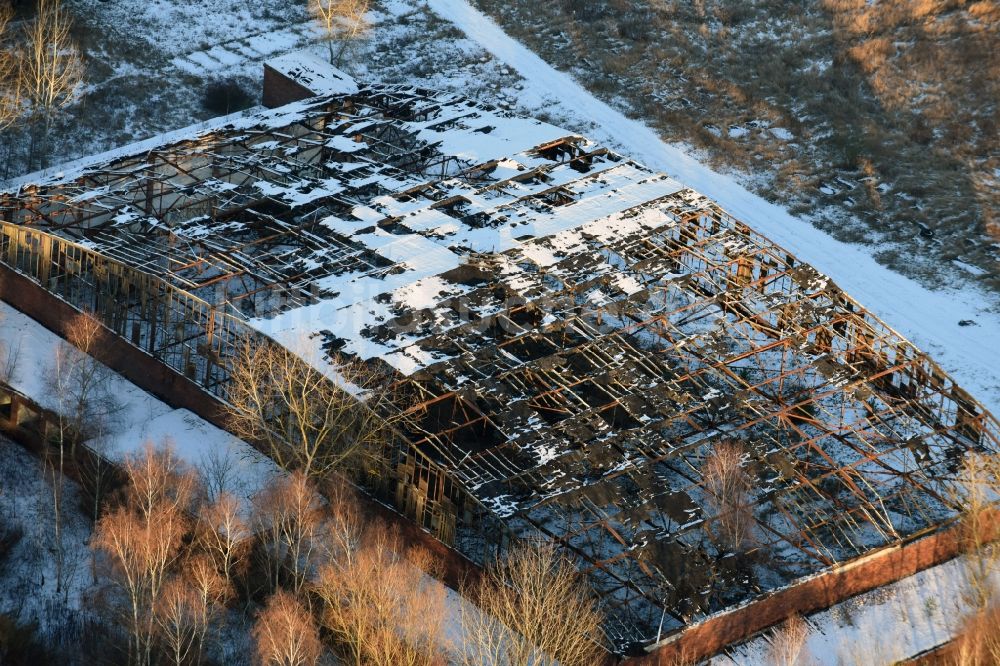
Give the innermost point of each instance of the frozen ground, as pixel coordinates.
(27, 572)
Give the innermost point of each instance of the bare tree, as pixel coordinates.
(343, 523)
(78, 387)
(288, 520)
(158, 479)
(380, 608)
(308, 421)
(143, 539)
(729, 486)
(11, 80)
(211, 591)
(975, 498)
(52, 70)
(217, 470)
(341, 19)
(285, 634)
(142, 550)
(534, 609)
(179, 620)
(788, 643)
(224, 535)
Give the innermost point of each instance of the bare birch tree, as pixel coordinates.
(142, 549)
(11, 80)
(52, 69)
(285, 634)
(535, 609)
(143, 539)
(211, 591)
(380, 608)
(341, 19)
(79, 388)
(288, 520)
(157, 478)
(224, 535)
(180, 620)
(729, 486)
(308, 421)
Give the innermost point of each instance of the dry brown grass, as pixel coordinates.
(788, 643)
(978, 641)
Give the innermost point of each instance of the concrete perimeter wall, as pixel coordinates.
(869, 572)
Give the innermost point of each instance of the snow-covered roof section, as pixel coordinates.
(579, 333)
(313, 74)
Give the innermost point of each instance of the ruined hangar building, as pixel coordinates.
(578, 334)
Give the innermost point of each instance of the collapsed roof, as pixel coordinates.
(579, 333)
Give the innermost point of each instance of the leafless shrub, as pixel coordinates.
(8, 361)
(729, 486)
(343, 19)
(380, 608)
(788, 643)
(536, 609)
(285, 634)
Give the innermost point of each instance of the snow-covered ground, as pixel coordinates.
(28, 572)
(140, 417)
(881, 627)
